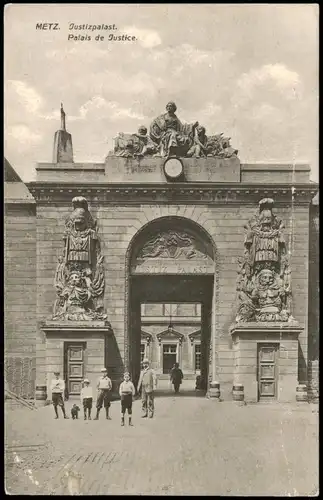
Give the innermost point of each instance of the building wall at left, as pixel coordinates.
(19, 286)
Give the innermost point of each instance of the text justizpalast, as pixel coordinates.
(92, 27)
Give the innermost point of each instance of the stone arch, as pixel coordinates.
(171, 221)
(203, 242)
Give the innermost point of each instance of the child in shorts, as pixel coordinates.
(126, 391)
(87, 398)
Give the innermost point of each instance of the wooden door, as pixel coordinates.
(169, 357)
(74, 354)
(267, 371)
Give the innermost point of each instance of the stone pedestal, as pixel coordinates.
(91, 334)
(63, 147)
(150, 169)
(248, 339)
(214, 391)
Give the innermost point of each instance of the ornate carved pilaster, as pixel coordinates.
(79, 278)
(264, 281)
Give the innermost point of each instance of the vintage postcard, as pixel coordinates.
(161, 237)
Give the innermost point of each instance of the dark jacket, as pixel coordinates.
(176, 375)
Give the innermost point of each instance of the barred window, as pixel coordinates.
(197, 357)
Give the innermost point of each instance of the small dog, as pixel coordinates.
(75, 412)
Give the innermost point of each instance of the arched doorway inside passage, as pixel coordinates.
(171, 260)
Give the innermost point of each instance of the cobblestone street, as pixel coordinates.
(192, 446)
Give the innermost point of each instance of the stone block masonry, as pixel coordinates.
(126, 199)
(20, 298)
(118, 227)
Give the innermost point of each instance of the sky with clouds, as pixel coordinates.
(249, 71)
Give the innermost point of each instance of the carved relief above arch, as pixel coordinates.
(172, 246)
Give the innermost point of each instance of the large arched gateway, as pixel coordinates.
(171, 260)
(201, 260)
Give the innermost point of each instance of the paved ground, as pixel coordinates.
(192, 446)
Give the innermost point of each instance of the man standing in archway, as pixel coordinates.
(148, 384)
(176, 377)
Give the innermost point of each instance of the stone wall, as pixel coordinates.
(314, 303)
(314, 288)
(118, 224)
(20, 297)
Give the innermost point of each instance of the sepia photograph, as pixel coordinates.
(161, 249)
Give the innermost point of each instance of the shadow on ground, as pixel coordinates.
(164, 393)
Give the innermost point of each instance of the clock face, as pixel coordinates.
(173, 168)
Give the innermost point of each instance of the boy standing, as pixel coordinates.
(126, 391)
(148, 384)
(87, 398)
(104, 387)
(57, 388)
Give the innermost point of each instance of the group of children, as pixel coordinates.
(104, 387)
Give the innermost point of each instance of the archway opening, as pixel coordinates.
(171, 269)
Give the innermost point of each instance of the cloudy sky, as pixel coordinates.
(250, 71)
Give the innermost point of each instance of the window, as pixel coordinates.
(149, 309)
(198, 310)
(170, 349)
(197, 357)
(187, 309)
(142, 352)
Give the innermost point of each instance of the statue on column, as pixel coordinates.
(79, 277)
(264, 285)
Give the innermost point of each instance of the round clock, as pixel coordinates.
(173, 168)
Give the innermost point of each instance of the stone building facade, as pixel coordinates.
(170, 230)
(171, 333)
(314, 301)
(20, 289)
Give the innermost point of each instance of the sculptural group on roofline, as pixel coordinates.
(79, 277)
(264, 282)
(169, 137)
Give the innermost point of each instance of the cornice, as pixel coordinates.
(146, 336)
(75, 327)
(266, 327)
(179, 193)
(195, 335)
(167, 334)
